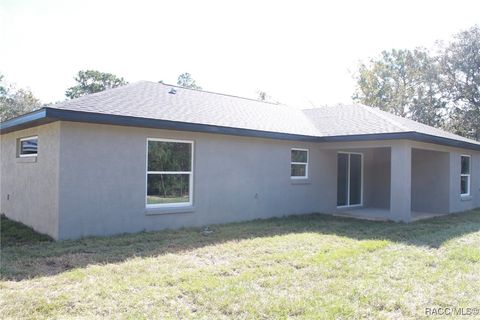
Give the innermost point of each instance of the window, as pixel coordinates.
(299, 164)
(169, 173)
(465, 176)
(28, 147)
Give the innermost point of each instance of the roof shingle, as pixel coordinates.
(360, 119)
(153, 100)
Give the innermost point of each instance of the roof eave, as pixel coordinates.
(406, 135)
(25, 121)
(47, 115)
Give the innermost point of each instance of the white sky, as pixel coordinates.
(300, 52)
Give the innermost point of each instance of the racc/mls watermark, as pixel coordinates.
(452, 311)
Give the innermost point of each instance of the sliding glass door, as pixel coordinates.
(349, 179)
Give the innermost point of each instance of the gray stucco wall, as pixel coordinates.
(90, 179)
(457, 202)
(430, 181)
(102, 180)
(29, 186)
(405, 176)
(377, 178)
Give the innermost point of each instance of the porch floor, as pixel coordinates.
(380, 214)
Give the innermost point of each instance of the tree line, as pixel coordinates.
(440, 88)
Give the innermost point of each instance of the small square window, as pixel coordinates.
(28, 147)
(299, 164)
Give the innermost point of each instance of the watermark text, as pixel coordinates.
(452, 311)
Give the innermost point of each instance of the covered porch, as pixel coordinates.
(399, 181)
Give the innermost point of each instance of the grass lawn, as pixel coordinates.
(313, 266)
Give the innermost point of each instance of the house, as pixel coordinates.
(149, 156)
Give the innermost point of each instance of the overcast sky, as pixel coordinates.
(300, 52)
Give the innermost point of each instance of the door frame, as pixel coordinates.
(348, 205)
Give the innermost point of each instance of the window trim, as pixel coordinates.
(348, 205)
(468, 175)
(190, 180)
(20, 147)
(294, 162)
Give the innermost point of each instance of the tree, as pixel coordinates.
(15, 102)
(185, 80)
(3, 89)
(460, 74)
(382, 83)
(428, 105)
(91, 81)
(402, 82)
(441, 90)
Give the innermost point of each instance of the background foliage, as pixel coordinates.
(92, 81)
(15, 102)
(441, 89)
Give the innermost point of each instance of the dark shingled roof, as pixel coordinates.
(360, 119)
(148, 103)
(152, 100)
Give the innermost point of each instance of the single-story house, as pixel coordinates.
(149, 156)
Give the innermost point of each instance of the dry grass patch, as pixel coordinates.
(312, 266)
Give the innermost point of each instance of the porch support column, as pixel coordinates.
(401, 182)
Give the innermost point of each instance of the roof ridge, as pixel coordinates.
(380, 113)
(218, 93)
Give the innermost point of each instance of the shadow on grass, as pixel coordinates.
(17, 234)
(50, 258)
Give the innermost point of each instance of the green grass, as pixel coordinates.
(313, 266)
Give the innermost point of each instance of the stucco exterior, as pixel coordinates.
(418, 178)
(90, 179)
(456, 202)
(235, 178)
(431, 181)
(29, 187)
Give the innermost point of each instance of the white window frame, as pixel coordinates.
(20, 147)
(468, 175)
(348, 205)
(305, 163)
(190, 173)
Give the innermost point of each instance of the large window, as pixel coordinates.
(299, 164)
(169, 173)
(465, 175)
(28, 147)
